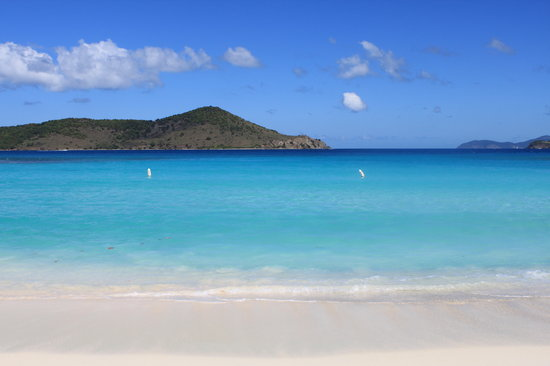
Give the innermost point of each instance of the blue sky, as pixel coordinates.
(354, 73)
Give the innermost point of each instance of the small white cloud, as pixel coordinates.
(500, 46)
(425, 75)
(431, 77)
(240, 56)
(353, 102)
(101, 65)
(80, 100)
(389, 63)
(436, 50)
(351, 67)
(31, 102)
(332, 40)
(372, 49)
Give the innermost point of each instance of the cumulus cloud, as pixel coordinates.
(500, 46)
(353, 102)
(240, 56)
(22, 65)
(167, 60)
(351, 67)
(101, 65)
(392, 65)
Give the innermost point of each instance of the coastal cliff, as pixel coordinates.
(201, 128)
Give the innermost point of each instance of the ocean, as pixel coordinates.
(288, 225)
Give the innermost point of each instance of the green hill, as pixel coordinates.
(202, 128)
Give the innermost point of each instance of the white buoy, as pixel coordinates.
(362, 174)
(149, 173)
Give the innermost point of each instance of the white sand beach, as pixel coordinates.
(504, 356)
(149, 332)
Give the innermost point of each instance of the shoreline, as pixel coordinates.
(290, 149)
(205, 149)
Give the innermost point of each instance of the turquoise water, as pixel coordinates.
(287, 225)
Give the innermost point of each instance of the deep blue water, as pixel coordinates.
(275, 224)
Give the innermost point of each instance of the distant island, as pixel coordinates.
(541, 142)
(201, 128)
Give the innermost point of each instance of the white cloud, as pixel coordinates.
(167, 60)
(389, 63)
(21, 65)
(372, 50)
(500, 46)
(101, 65)
(353, 102)
(353, 66)
(240, 56)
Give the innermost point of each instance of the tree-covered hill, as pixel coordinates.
(202, 128)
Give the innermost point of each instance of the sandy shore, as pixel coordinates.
(502, 356)
(147, 332)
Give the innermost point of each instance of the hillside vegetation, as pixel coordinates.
(202, 128)
(539, 144)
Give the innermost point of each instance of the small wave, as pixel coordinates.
(340, 293)
(537, 275)
(280, 284)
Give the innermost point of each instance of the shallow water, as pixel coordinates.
(289, 225)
